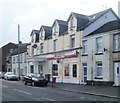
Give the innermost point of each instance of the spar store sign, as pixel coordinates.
(65, 55)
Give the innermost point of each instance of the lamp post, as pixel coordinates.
(19, 52)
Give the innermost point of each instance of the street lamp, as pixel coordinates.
(19, 51)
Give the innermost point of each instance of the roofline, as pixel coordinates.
(110, 9)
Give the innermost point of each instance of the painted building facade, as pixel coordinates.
(59, 50)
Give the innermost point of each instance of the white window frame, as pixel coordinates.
(72, 22)
(54, 45)
(71, 41)
(99, 45)
(116, 42)
(41, 48)
(84, 50)
(99, 67)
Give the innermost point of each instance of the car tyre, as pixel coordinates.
(33, 83)
(25, 82)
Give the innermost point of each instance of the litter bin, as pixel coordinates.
(54, 79)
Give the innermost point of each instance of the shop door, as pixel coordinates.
(84, 72)
(117, 73)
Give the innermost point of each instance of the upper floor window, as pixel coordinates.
(54, 45)
(72, 22)
(99, 69)
(41, 47)
(32, 51)
(116, 42)
(84, 47)
(99, 45)
(55, 28)
(72, 41)
(13, 60)
(41, 34)
(17, 59)
(21, 58)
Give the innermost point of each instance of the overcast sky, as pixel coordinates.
(31, 14)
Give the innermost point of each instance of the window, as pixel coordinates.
(99, 69)
(25, 56)
(74, 70)
(72, 41)
(17, 59)
(54, 45)
(21, 58)
(55, 28)
(31, 68)
(32, 50)
(55, 70)
(72, 22)
(13, 60)
(40, 69)
(116, 42)
(41, 47)
(41, 34)
(85, 47)
(66, 72)
(99, 47)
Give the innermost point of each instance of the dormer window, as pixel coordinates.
(72, 22)
(55, 28)
(42, 34)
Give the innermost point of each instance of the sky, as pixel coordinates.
(31, 14)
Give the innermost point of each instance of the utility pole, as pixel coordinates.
(19, 51)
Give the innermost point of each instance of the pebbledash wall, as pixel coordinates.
(67, 64)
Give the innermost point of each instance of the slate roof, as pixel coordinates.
(23, 48)
(113, 25)
(48, 31)
(63, 26)
(95, 16)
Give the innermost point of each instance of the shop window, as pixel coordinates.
(66, 72)
(74, 70)
(55, 70)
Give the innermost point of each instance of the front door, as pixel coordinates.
(117, 73)
(84, 72)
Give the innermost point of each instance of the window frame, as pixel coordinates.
(74, 70)
(99, 43)
(54, 45)
(116, 42)
(84, 50)
(41, 48)
(72, 41)
(98, 74)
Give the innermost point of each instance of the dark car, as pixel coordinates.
(35, 79)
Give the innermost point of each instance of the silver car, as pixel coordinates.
(10, 76)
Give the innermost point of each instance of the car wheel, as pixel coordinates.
(25, 82)
(33, 83)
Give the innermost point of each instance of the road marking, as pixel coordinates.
(48, 99)
(83, 97)
(3, 86)
(23, 91)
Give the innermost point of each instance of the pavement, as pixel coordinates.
(105, 91)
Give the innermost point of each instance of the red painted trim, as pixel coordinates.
(70, 56)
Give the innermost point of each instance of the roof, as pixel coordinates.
(35, 32)
(48, 30)
(94, 17)
(23, 48)
(113, 25)
(63, 26)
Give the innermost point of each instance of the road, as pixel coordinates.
(17, 91)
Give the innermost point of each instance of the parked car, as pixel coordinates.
(10, 76)
(2, 74)
(35, 79)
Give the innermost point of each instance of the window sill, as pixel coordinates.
(84, 55)
(98, 53)
(98, 77)
(116, 51)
